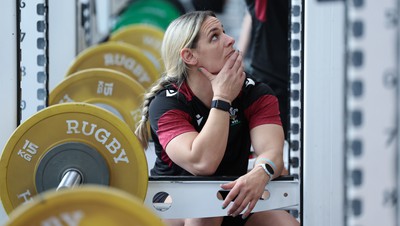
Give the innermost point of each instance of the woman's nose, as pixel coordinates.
(229, 40)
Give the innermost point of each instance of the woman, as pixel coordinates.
(205, 113)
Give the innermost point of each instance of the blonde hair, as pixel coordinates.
(182, 33)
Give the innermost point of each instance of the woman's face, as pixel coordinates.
(214, 46)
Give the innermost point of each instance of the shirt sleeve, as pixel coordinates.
(265, 110)
(171, 124)
(169, 117)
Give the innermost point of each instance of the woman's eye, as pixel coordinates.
(214, 37)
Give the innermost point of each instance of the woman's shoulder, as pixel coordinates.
(252, 86)
(171, 97)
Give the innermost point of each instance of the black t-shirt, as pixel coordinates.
(174, 111)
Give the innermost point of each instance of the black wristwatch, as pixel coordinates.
(221, 105)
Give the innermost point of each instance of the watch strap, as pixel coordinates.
(221, 105)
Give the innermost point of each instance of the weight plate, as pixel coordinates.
(140, 18)
(178, 5)
(84, 206)
(106, 88)
(68, 123)
(155, 12)
(146, 37)
(160, 8)
(119, 56)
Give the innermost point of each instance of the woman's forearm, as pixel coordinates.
(209, 146)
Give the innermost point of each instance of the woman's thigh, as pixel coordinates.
(272, 218)
(174, 222)
(211, 221)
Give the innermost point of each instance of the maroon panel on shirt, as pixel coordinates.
(171, 124)
(261, 10)
(185, 90)
(265, 110)
(165, 158)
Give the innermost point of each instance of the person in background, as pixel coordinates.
(206, 112)
(244, 39)
(267, 27)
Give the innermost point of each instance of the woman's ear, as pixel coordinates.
(188, 57)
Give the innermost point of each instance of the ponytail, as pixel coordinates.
(141, 131)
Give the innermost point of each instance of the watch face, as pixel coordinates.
(269, 168)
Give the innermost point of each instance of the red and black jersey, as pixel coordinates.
(176, 110)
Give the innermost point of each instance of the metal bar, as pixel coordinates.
(70, 179)
(323, 113)
(195, 199)
(296, 90)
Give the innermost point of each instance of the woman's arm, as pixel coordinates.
(245, 34)
(267, 140)
(201, 153)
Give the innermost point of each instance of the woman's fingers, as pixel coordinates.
(206, 73)
(242, 202)
(231, 195)
(229, 81)
(239, 65)
(238, 205)
(249, 209)
(243, 196)
(232, 60)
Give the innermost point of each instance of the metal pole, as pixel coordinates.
(70, 179)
